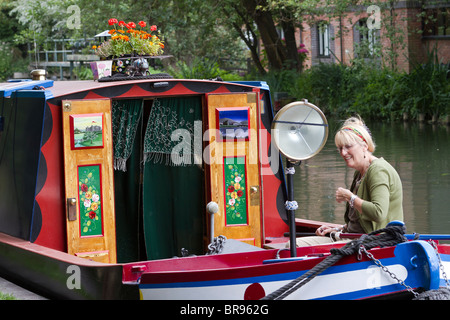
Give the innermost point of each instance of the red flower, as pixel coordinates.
(122, 23)
(230, 188)
(84, 187)
(131, 25)
(112, 21)
(153, 28)
(92, 215)
(142, 24)
(240, 193)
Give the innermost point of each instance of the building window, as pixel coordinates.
(366, 40)
(436, 22)
(323, 31)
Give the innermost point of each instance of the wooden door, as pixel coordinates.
(89, 187)
(234, 165)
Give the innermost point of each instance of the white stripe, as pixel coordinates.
(321, 286)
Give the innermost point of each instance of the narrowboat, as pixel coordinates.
(125, 189)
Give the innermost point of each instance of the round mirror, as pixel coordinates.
(300, 130)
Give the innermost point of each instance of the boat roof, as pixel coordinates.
(59, 88)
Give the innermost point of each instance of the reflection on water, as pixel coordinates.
(419, 152)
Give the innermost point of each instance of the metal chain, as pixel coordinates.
(216, 246)
(385, 269)
(441, 266)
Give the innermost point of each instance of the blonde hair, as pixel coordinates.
(354, 131)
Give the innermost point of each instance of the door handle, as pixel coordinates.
(71, 209)
(254, 196)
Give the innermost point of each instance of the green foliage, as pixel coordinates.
(5, 63)
(427, 87)
(7, 296)
(374, 92)
(330, 86)
(381, 96)
(83, 73)
(202, 69)
(10, 61)
(281, 80)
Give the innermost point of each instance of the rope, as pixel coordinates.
(291, 205)
(388, 236)
(290, 170)
(122, 77)
(437, 294)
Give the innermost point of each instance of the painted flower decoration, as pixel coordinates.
(90, 211)
(129, 38)
(235, 199)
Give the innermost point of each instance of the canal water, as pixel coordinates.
(419, 151)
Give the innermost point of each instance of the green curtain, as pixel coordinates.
(127, 141)
(172, 191)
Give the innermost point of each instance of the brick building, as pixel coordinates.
(395, 33)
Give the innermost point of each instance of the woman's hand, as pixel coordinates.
(324, 230)
(343, 195)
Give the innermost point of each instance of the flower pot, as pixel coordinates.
(133, 66)
(120, 65)
(101, 69)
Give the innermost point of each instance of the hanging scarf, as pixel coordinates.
(125, 120)
(169, 136)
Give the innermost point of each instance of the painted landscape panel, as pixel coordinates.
(233, 123)
(87, 131)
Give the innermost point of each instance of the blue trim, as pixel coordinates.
(422, 263)
(259, 84)
(445, 257)
(10, 87)
(18, 80)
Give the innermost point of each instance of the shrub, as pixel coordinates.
(427, 87)
(202, 69)
(375, 92)
(5, 62)
(381, 96)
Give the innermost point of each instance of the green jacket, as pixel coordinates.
(381, 190)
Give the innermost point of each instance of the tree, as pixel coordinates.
(256, 21)
(210, 29)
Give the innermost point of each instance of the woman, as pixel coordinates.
(375, 196)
